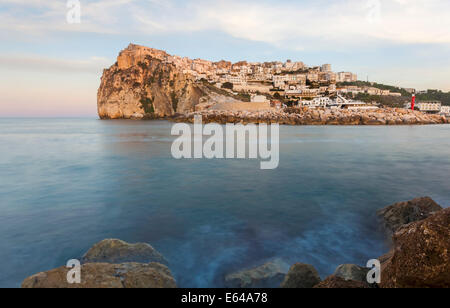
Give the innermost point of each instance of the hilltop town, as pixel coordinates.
(289, 79)
(290, 82)
(150, 83)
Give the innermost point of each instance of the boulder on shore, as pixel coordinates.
(301, 276)
(399, 214)
(269, 275)
(352, 272)
(116, 251)
(421, 257)
(104, 275)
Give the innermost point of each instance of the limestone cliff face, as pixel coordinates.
(142, 84)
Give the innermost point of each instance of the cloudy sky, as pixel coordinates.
(49, 67)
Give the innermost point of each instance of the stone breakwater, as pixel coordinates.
(305, 116)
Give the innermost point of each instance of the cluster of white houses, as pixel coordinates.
(368, 90)
(431, 107)
(290, 78)
(310, 86)
(340, 102)
(267, 77)
(336, 103)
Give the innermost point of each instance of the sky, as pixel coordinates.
(51, 65)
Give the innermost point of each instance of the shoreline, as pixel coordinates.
(310, 117)
(113, 263)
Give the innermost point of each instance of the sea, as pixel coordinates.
(67, 184)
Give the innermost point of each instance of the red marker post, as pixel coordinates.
(413, 102)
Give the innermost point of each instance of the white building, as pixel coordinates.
(259, 99)
(346, 77)
(430, 106)
(445, 110)
(313, 76)
(280, 78)
(326, 68)
(239, 80)
(317, 102)
(344, 103)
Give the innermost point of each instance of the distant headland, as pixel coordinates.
(147, 83)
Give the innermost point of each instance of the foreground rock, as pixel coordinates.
(335, 282)
(116, 251)
(103, 275)
(402, 213)
(420, 258)
(269, 275)
(301, 276)
(352, 272)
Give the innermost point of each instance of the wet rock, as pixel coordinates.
(352, 272)
(269, 275)
(420, 258)
(301, 276)
(334, 282)
(402, 213)
(103, 275)
(117, 251)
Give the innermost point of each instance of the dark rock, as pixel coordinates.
(117, 251)
(301, 276)
(403, 213)
(420, 258)
(269, 275)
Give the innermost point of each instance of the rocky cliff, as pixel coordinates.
(144, 84)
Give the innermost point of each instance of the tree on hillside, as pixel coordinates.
(228, 85)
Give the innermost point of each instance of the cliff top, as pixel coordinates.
(134, 54)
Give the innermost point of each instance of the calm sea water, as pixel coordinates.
(66, 184)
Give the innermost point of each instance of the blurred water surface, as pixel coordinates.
(68, 183)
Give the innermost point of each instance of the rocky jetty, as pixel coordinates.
(306, 116)
(112, 264)
(265, 276)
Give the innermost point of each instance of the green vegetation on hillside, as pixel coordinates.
(147, 104)
(435, 95)
(388, 101)
(244, 97)
(228, 85)
(174, 101)
(430, 95)
(374, 85)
